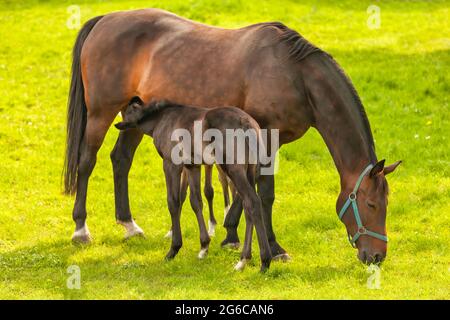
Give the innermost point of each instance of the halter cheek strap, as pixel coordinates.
(352, 201)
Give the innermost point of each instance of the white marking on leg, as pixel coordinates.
(211, 229)
(225, 212)
(132, 229)
(168, 235)
(240, 265)
(82, 234)
(203, 253)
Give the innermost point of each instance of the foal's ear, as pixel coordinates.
(137, 100)
(378, 168)
(125, 125)
(391, 168)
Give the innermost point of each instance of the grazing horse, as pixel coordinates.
(160, 120)
(268, 70)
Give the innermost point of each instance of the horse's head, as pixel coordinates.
(362, 208)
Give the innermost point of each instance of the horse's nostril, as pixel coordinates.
(378, 257)
(363, 256)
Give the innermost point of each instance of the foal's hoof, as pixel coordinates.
(132, 229)
(81, 236)
(168, 235)
(203, 253)
(284, 257)
(240, 265)
(170, 255)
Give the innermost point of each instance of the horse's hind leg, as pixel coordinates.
(226, 195)
(252, 206)
(121, 158)
(94, 134)
(209, 194)
(194, 177)
(172, 173)
(246, 254)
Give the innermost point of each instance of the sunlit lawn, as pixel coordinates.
(401, 72)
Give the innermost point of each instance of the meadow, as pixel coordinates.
(401, 71)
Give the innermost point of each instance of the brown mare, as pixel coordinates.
(267, 70)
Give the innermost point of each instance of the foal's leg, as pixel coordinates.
(96, 128)
(252, 205)
(226, 195)
(231, 223)
(172, 173)
(246, 254)
(209, 194)
(121, 158)
(194, 178)
(183, 192)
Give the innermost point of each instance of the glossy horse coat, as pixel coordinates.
(268, 70)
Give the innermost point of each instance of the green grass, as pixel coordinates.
(401, 72)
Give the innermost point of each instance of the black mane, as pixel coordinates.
(155, 107)
(299, 47)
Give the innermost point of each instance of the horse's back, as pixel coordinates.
(156, 54)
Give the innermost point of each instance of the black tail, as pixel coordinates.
(76, 112)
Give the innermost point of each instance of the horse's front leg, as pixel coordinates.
(172, 173)
(266, 191)
(121, 158)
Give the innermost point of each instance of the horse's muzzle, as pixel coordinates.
(369, 258)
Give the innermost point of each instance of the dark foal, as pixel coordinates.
(160, 120)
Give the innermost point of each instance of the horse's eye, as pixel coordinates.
(370, 204)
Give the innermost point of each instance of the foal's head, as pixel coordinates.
(370, 198)
(134, 112)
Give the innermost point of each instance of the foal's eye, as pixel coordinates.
(370, 204)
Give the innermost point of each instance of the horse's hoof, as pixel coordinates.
(240, 265)
(203, 253)
(168, 235)
(132, 229)
(284, 257)
(231, 245)
(212, 229)
(170, 255)
(82, 236)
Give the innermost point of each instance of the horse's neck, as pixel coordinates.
(340, 120)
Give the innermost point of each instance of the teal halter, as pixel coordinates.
(352, 200)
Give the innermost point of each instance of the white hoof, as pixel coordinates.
(240, 265)
(132, 229)
(212, 229)
(168, 235)
(82, 235)
(203, 253)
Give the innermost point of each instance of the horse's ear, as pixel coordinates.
(391, 168)
(125, 125)
(137, 100)
(377, 168)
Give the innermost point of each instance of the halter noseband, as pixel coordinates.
(352, 200)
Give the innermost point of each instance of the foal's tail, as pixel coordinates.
(76, 112)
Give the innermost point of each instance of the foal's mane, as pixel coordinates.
(154, 107)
